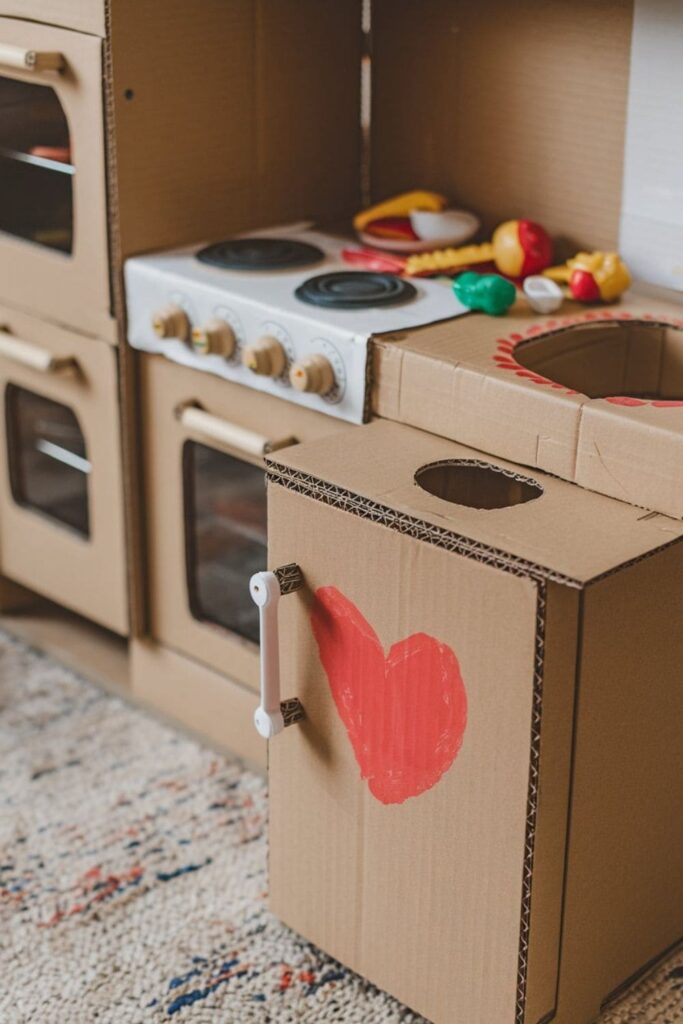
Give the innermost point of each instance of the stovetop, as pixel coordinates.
(298, 293)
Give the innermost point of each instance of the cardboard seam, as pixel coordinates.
(402, 522)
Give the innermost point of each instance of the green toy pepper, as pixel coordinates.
(489, 293)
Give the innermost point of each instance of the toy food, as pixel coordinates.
(399, 206)
(518, 248)
(593, 276)
(542, 294)
(489, 293)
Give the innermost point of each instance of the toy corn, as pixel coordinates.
(593, 276)
(518, 248)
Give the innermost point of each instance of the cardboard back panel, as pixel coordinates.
(512, 110)
(61, 488)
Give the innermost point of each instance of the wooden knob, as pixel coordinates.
(171, 322)
(313, 374)
(266, 357)
(216, 337)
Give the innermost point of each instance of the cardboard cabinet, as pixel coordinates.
(488, 664)
(61, 488)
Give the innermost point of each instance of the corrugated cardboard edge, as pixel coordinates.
(336, 497)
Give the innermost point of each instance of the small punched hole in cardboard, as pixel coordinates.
(604, 360)
(476, 484)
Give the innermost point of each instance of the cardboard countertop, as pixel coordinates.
(566, 531)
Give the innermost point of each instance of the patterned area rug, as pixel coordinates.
(132, 878)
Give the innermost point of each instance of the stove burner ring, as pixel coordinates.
(355, 289)
(260, 254)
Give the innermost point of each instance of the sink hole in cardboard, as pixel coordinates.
(605, 360)
(476, 484)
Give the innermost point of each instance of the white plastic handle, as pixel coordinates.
(266, 588)
(194, 418)
(30, 60)
(33, 356)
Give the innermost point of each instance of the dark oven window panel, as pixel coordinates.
(226, 541)
(48, 458)
(36, 168)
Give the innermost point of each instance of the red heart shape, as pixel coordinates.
(405, 713)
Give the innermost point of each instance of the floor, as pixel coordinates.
(133, 878)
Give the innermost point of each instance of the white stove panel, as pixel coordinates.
(263, 303)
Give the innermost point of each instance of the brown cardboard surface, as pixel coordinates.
(422, 897)
(81, 15)
(509, 109)
(242, 114)
(68, 289)
(87, 575)
(212, 706)
(493, 384)
(624, 895)
(567, 532)
(164, 388)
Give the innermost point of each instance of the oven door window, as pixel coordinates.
(48, 459)
(225, 531)
(36, 169)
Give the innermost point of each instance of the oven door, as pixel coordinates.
(53, 209)
(61, 488)
(205, 499)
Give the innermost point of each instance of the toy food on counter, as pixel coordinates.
(542, 294)
(518, 248)
(414, 222)
(488, 293)
(593, 276)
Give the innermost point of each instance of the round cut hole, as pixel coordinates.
(608, 360)
(476, 484)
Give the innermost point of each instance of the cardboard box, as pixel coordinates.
(594, 396)
(480, 810)
(204, 502)
(218, 118)
(61, 486)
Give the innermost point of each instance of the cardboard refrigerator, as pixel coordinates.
(479, 811)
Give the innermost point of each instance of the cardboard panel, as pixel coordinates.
(582, 395)
(166, 388)
(452, 846)
(87, 575)
(231, 116)
(624, 896)
(67, 289)
(566, 533)
(513, 110)
(213, 706)
(82, 15)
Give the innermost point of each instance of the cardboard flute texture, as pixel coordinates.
(594, 396)
(441, 876)
(165, 389)
(86, 574)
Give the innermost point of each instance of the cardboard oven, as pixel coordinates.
(204, 442)
(61, 487)
(479, 810)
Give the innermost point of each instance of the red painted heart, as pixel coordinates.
(405, 713)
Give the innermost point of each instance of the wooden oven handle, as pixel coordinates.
(266, 588)
(36, 358)
(196, 419)
(19, 59)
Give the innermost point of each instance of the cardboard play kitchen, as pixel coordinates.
(122, 133)
(477, 804)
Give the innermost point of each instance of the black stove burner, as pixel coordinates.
(355, 289)
(260, 254)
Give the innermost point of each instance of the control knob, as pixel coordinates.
(266, 357)
(171, 322)
(216, 337)
(313, 374)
